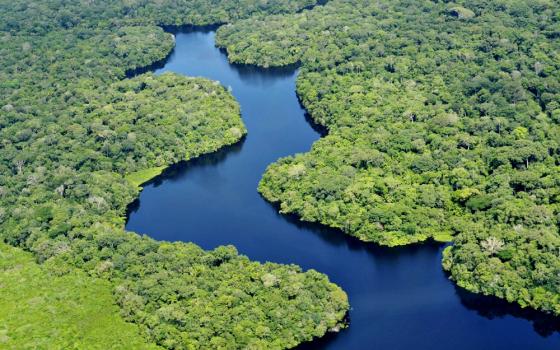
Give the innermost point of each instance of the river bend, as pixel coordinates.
(400, 297)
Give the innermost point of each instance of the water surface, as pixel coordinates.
(400, 298)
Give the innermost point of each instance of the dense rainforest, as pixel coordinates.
(80, 131)
(443, 122)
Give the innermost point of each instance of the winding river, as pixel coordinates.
(401, 298)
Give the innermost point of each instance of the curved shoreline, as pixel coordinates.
(392, 251)
(225, 149)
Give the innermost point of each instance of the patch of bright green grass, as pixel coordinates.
(39, 310)
(443, 237)
(140, 177)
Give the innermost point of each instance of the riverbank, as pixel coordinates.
(213, 201)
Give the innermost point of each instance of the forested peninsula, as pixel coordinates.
(79, 135)
(443, 122)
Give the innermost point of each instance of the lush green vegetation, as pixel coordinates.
(77, 140)
(44, 310)
(138, 178)
(443, 122)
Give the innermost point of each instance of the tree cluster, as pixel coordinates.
(443, 124)
(75, 133)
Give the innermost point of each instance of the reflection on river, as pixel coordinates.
(400, 297)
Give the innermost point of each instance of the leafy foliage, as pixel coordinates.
(77, 141)
(42, 309)
(443, 122)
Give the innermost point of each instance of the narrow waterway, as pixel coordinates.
(400, 298)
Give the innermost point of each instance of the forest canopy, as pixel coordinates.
(79, 134)
(443, 122)
(79, 309)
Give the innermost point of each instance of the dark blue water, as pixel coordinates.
(401, 298)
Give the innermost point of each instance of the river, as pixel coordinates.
(400, 297)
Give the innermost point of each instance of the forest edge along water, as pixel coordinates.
(400, 297)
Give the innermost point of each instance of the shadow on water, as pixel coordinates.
(400, 297)
(324, 341)
(319, 129)
(254, 74)
(186, 29)
(180, 170)
(335, 237)
(493, 308)
(130, 73)
(247, 72)
(251, 73)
